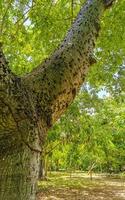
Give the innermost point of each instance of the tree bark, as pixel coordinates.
(18, 175)
(20, 144)
(30, 105)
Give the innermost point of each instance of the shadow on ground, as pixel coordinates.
(81, 188)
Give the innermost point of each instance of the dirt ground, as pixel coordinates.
(82, 188)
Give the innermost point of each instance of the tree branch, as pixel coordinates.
(55, 82)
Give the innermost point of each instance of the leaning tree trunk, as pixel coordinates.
(31, 104)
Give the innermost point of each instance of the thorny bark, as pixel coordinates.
(30, 105)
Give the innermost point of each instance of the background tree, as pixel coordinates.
(89, 137)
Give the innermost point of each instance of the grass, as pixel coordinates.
(80, 187)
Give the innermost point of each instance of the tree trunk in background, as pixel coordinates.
(43, 168)
(30, 105)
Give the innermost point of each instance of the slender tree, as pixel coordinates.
(30, 105)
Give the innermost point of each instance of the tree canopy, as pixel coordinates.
(31, 30)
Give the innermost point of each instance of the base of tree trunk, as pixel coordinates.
(19, 175)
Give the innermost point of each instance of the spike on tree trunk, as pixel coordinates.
(28, 108)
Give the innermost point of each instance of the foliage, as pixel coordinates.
(31, 30)
(90, 134)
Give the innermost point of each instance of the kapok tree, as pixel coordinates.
(31, 104)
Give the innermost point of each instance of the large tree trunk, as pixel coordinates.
(31, 104)
(21, 137)
(18, 175)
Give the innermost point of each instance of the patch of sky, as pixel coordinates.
(29, 58)
(27, 22)
(101, 93)
(25, 11)
(121, 69)
(90, 111)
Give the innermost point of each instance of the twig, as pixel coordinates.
(2, 24)
(72, 7)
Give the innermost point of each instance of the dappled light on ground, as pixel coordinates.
(81, 188)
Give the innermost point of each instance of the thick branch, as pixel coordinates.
(55, 82)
